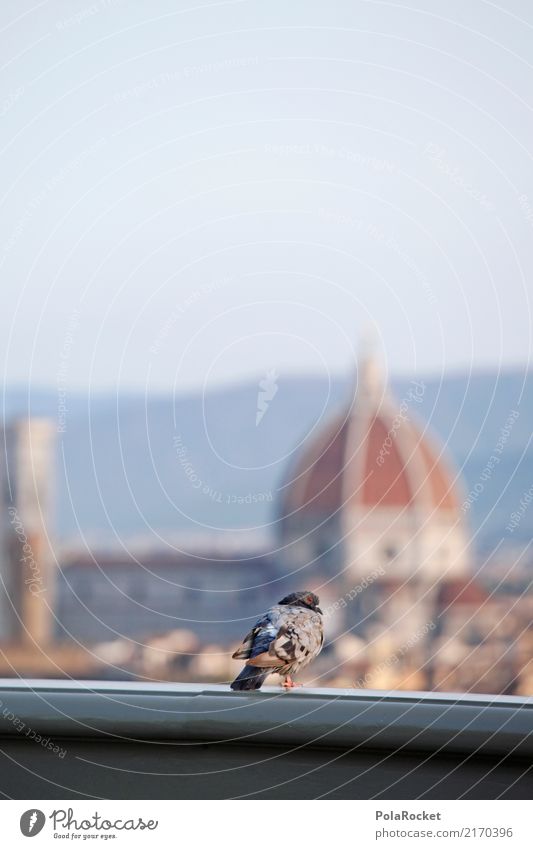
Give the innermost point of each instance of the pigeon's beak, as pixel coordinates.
(318, 610)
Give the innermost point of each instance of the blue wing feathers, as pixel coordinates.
(264, 636)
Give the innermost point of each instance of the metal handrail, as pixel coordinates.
(195, 713)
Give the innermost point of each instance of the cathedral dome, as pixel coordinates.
(373, 455)
(373, 469)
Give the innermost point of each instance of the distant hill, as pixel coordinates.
(136, 467)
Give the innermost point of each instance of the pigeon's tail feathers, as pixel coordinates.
(250, 678)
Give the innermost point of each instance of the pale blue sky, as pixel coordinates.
(196, 195)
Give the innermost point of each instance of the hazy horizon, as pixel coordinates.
(518, 369)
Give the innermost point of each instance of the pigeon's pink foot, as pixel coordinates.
(289, 683)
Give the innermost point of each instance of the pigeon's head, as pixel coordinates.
(303, 599)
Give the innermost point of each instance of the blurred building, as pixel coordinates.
(373, 489)
(27, 567)
(371, 521)
(102, 595)
(374, 504)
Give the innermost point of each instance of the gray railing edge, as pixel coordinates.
(471, 724)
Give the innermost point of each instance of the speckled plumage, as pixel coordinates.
(283, 641)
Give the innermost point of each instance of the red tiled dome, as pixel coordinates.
(371, 457)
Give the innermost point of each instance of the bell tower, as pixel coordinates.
(27, 567)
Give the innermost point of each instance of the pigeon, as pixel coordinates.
(284, 640)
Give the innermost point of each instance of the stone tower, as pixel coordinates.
(27, 564)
